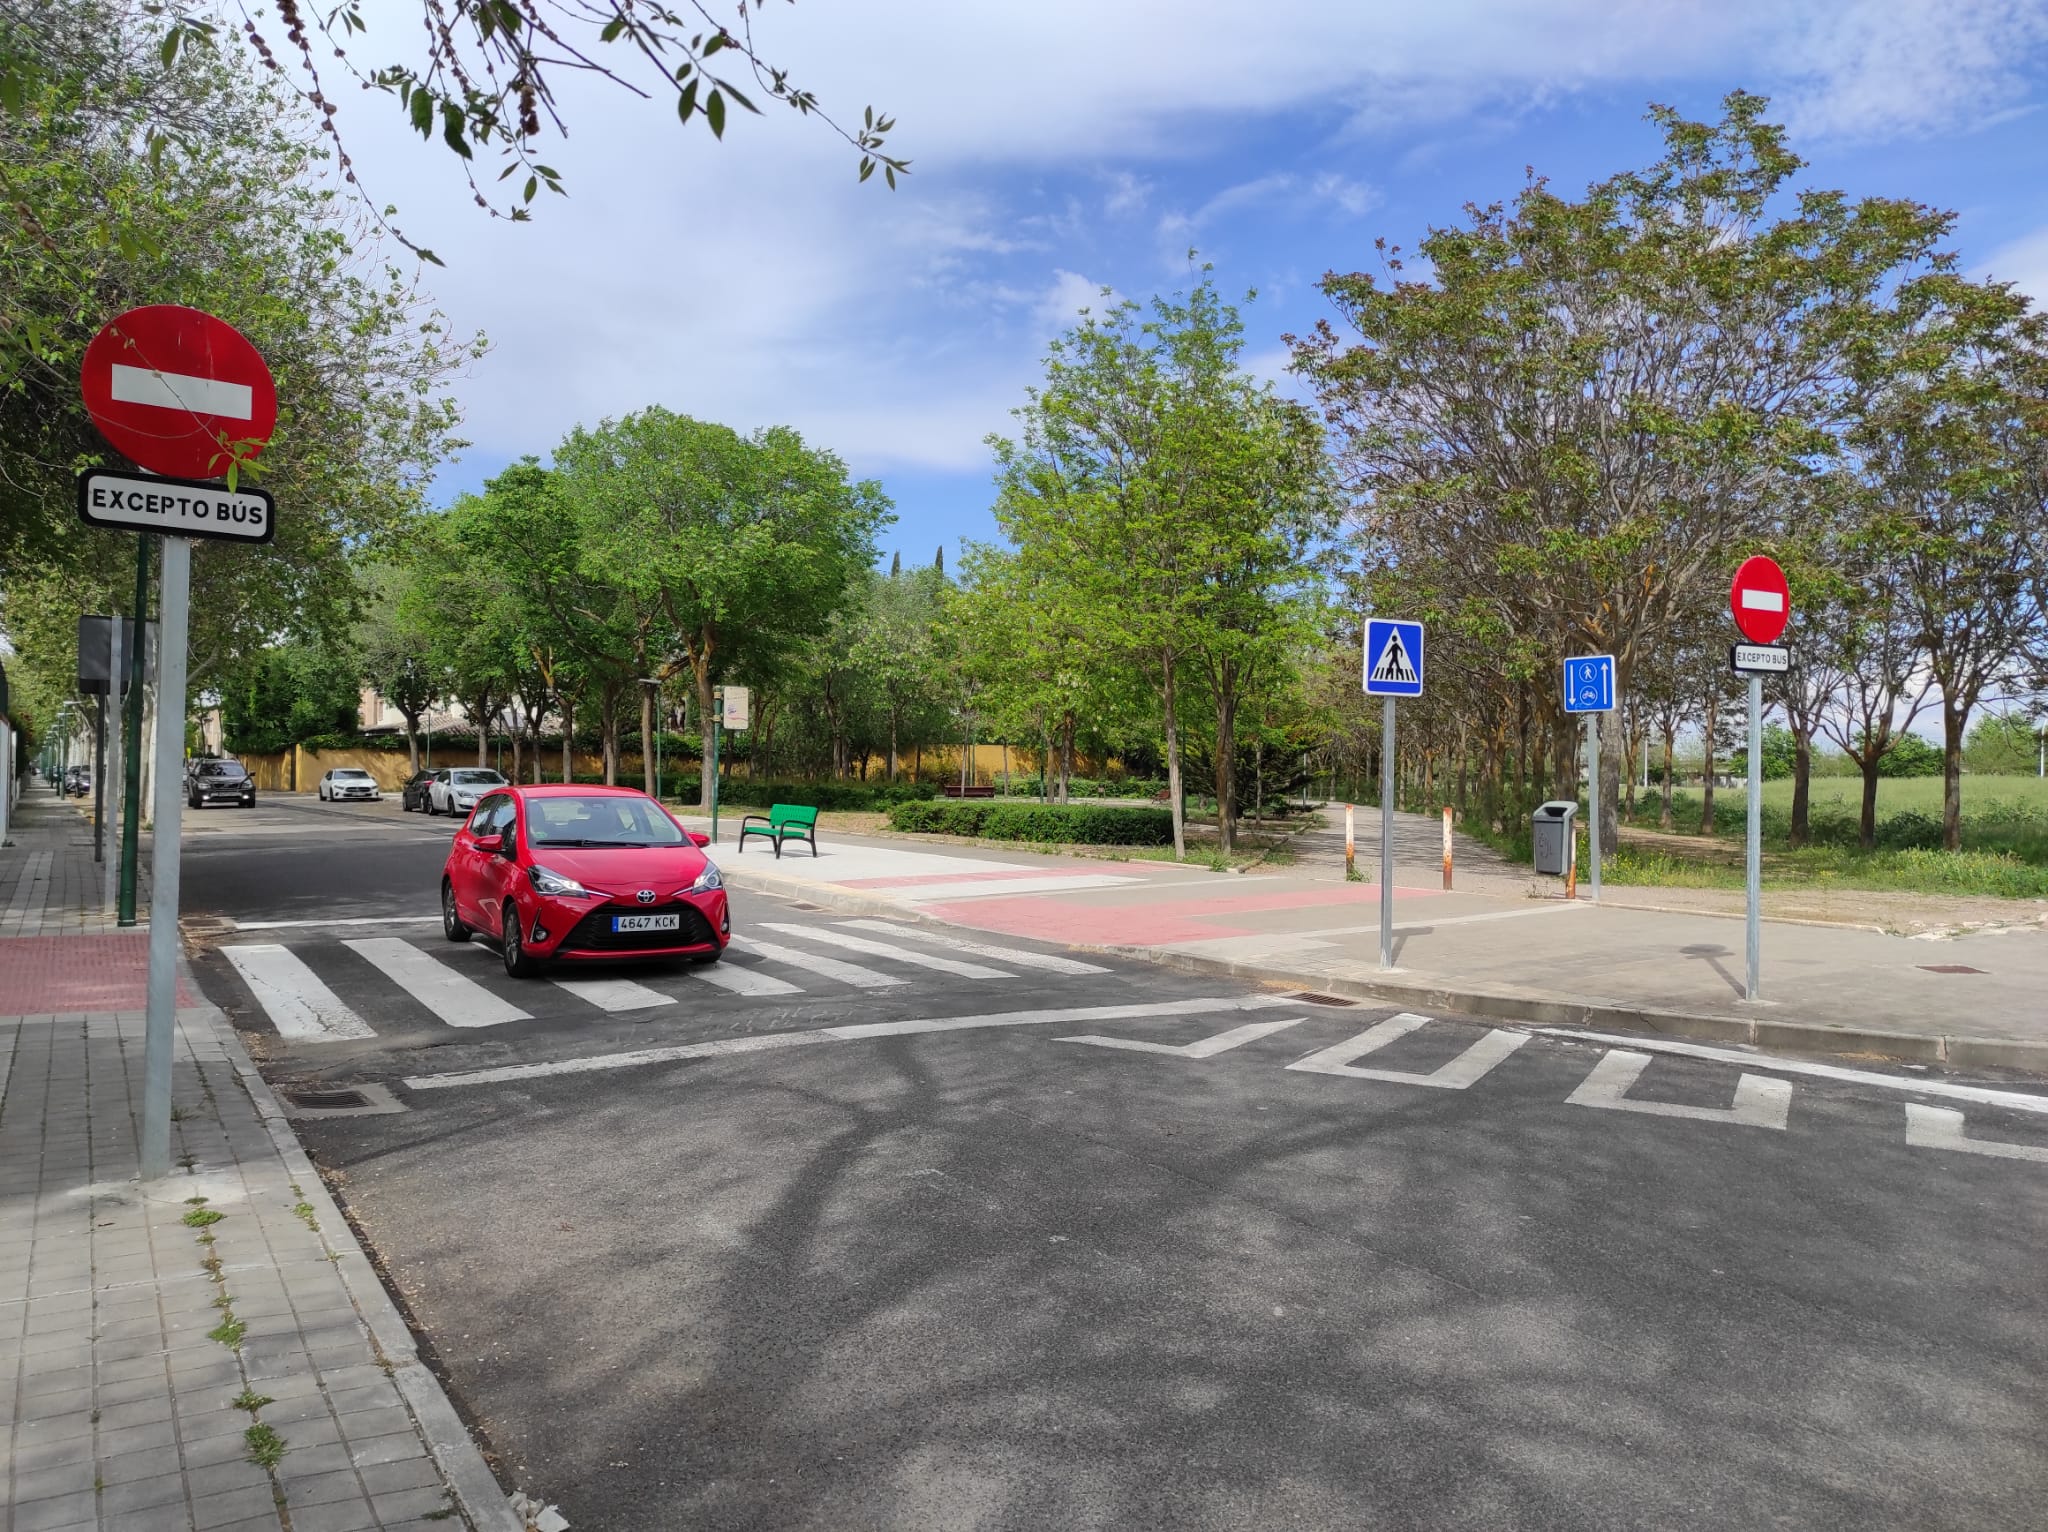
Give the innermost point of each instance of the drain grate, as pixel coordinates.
(326, 1100)
(1948, 968)
(1325, 1000)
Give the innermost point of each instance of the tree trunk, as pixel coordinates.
(1226, 755)
(916, 760)
(1707, 758)
(1802, 786)
(894, 719)
(1180, 829)
(1067, 759)
(412, 744)
(1866, 820)
(1613, 767)
(1670, 751)
(1953, 721)
(647, 741)
(568, 740)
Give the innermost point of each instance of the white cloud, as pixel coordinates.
(2024, 263)
(1062, 303)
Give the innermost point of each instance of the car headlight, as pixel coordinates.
(707, 880)
(547, 881)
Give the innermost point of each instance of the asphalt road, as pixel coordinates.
(825, 1264)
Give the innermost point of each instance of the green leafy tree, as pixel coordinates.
(719, 543)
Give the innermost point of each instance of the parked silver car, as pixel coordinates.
(458, 791)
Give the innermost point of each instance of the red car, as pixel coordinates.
(595, 873)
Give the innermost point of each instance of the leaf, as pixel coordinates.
(714, 113)
(612, 29)
(451, 128)
(422, 111)
(532, 186)
(169, 50)
(686, 103)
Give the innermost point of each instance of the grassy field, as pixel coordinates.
(2005, 839)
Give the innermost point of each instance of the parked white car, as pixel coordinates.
(457, 792)
(349, 782)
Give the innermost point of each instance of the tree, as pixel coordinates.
(397, 655)
(1165, 501)
(1562, 438)
(484, 79)
(720, 542)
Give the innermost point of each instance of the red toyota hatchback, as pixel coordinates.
(594, 873)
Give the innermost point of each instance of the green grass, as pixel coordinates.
(266, 1447)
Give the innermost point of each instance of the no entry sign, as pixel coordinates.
(178, 392)
(1760, 600)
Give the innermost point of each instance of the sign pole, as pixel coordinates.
(1755, 859)
(163, 865)
(1593, 805)
(131, 789)
(717, 727)
(117, 652)
(1386, 833)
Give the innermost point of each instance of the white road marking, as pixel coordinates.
(372, 920)
(1017, 955)
(743, 981)
(1983, 1095)
(182, 391)
(830, 968)
(458, 1001)
(1460, 1072)
(1941, 1127)
(848, 1034)
(1759, 1102)
(615, 994)
(1203, 1048)
(888, 950)
(298, 1003)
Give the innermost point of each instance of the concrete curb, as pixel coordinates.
(454, 1450)
(1592, 1015)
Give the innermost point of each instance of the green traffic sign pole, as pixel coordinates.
(717, 725)
(131, 791)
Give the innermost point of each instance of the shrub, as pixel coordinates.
(825, 795)
(1050, 824)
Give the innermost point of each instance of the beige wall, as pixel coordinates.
(274, 773)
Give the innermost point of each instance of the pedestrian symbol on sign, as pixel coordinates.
(1393, 658)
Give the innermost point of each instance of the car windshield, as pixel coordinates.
(220, 769)
(599, 820)
(351, 776)
(477, 779)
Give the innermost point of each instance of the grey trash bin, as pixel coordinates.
(1552, 829)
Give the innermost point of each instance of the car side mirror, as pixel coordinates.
(698, 837)
(489, 842)
(508, 844)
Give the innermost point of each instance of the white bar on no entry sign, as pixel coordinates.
(1762, 601)
(182, 391)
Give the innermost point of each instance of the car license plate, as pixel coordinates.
(647, 922)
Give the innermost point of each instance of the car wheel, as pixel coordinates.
(451, 923)
(512, 945)
(708, 957)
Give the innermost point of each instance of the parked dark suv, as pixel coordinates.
(220, 782)
(415, 797)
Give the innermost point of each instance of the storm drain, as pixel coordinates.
(1325, 1000)
(349, 1101)
(1948, 968)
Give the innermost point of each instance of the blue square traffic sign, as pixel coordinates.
(1589, 684)
(1393, 658)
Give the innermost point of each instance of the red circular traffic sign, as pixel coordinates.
(1760, 600)
(178, 391)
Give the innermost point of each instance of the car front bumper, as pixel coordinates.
(579, 930)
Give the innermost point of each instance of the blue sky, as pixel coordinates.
(1060, 147)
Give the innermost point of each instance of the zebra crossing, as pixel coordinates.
(456, 986)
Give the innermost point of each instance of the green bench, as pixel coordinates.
(784, 821)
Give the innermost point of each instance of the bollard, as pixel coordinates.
(1447, 848)
(1350, 847)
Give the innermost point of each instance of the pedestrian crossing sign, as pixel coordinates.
(1393, 658)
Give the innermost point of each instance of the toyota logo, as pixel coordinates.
(645, 896)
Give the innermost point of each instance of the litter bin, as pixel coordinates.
(1553, 829)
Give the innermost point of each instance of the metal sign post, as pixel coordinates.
(173, 601)
(1393, 668)
(1589, 689)
(717, 728)
(1761, 602)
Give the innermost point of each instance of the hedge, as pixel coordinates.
(1070, 824)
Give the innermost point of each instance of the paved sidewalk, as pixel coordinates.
(1973, 1000)
(213, 1351)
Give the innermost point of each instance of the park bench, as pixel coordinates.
(955, 790)
(784, 821)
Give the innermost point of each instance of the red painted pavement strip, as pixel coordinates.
(67, 975)
(922, 878)
(1051, 918)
